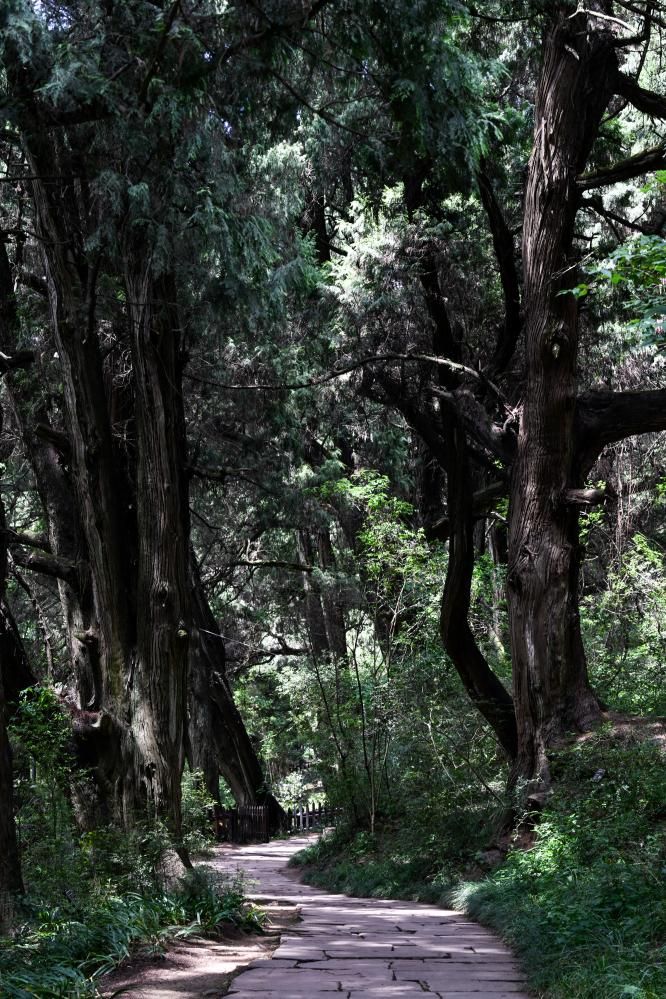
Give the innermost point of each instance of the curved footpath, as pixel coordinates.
(364, 948)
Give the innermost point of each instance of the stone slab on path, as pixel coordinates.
(364, 948)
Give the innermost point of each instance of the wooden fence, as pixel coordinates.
(310, 816)
(242, 824)
(247, 823)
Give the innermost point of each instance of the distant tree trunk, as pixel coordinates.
(10, 865)
(486, 690)
(201, 749)
(315, 620)
(218, 740)
(551, 689)
(323, 609)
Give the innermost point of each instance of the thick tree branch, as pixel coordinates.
(506, 261)
(59, 440)
(606, 417)
(482, 503)
(643, 100)
(647, 11)
(582, 497)
(634, 166)
(419, 418)
(478, 424)
(47, 565)
(21, 359)
(444, 344)
(363, 362)
(595, 204)
(26, 539)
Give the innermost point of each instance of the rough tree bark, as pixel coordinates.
(551, 690)
(485, 689)
(158, 677)
(137, 560)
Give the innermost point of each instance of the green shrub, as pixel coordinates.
(61, 951)
(196, 804)
(586, 906)
(402, 861)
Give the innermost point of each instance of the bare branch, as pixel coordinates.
(602, 17)
(270, 564)
(595, 204)
(347, 369)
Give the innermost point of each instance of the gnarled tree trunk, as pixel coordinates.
(551, 690)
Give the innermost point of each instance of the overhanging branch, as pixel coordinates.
(453, 366)
(596, 204)
(634, 166)
(647, 101)
(26, 539)
(604, 418)
(47, 565)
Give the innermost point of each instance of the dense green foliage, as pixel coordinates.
(94, 898)
(62, 949)
(585, 905)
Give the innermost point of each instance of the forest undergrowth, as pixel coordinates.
(70, 938)
(579, 894)
(95, 898)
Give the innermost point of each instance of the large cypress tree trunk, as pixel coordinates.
(551, 689)
(131, 505)
(158, 688)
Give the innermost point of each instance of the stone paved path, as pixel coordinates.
(366, 948)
